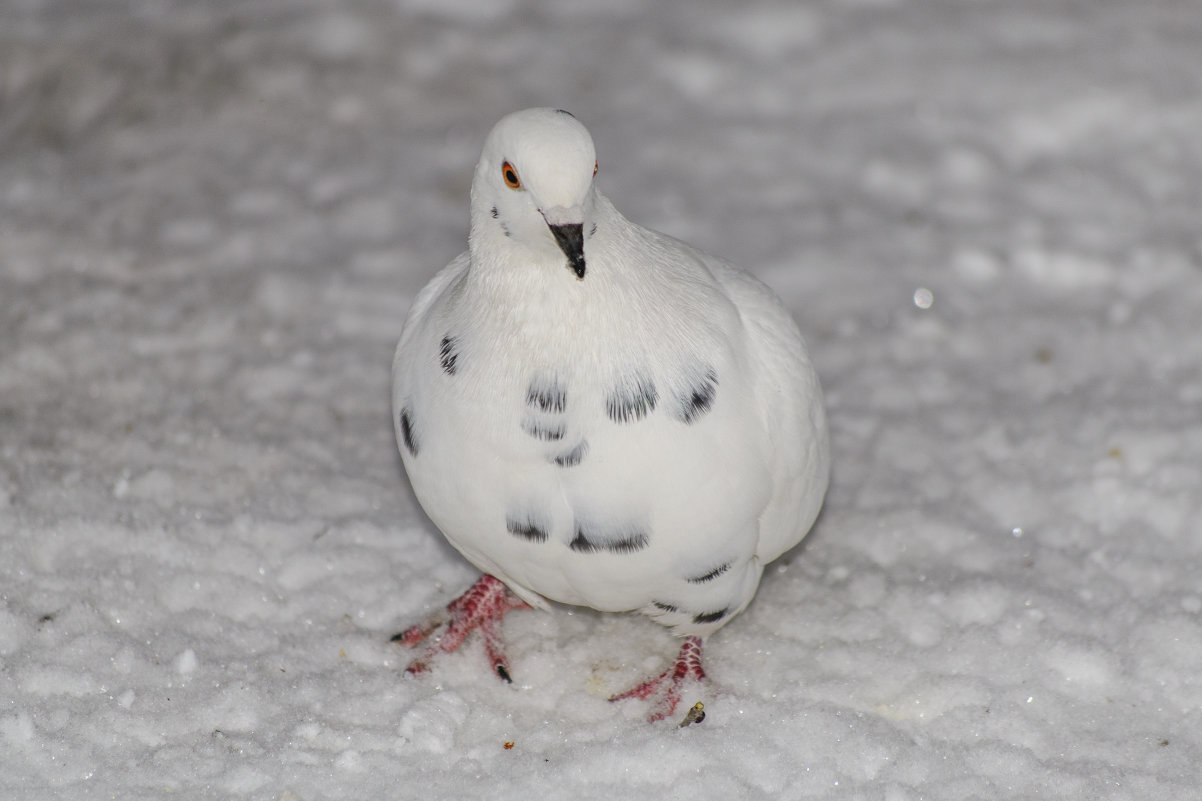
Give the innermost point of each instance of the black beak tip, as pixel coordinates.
(570, 238)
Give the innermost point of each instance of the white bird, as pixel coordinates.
(594, 413)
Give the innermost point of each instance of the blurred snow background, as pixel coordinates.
(985, 216)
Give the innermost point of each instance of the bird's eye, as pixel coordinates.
(511, 176)
(594, 169)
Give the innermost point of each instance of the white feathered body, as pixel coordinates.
(647, 438)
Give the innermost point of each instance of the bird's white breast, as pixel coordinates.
(643, 439)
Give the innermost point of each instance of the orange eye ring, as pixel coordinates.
(510, 176)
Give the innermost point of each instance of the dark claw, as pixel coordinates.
(503, 672)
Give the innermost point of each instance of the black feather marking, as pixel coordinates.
(593, 231)
(546, 394)
(448, 354)
(698, 399)
(710, 617)
(574, 456)
(409, 431)
(547, 432)
(623, 541)
(495, 212)
(665, 607)
(710, 576)
(505, 230)
(632, 400)
(526, 527)
(570, 114)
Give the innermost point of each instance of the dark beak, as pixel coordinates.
(571, 241)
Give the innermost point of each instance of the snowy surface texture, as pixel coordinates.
(984, 215)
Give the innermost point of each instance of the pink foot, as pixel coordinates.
(482, 607)
(668, 684)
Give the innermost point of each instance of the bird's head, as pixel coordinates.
(534, 184)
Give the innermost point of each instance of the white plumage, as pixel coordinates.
(596, 413)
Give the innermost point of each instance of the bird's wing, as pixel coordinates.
(790, 407)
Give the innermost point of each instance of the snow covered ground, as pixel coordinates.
(985, 216)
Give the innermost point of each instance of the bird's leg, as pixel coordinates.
(482, 607)
(668, 684)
